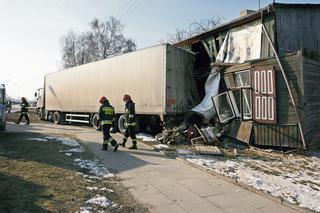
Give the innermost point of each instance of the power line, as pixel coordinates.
(122, 8)
(131, 6)
(138, 11)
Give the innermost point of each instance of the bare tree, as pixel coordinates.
(68, 44)
(195, 28)
(104, 39)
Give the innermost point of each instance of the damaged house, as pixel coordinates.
(265, 77)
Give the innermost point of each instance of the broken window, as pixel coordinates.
(246, 104)
(223, 106)
(242, 79)
(241, 100)
(229, 80)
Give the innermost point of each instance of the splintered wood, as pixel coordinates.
(208, 150)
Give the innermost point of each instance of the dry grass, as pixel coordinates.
(36, 177)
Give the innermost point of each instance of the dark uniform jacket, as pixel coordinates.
(130, 113)
(106, 113)
(24, 107)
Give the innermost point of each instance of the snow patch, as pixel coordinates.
(100, 200)
(78, 150)
(38, 139)
(92, 188)
(146, 137)
(161, 146)
(68, 154)
(94, 167)
(295, 179)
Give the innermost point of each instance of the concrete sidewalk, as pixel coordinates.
(164, 184)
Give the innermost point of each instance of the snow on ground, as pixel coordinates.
(64, 140)
(77, 149)
(97, 170)
(100, 200)
(94, 167)
(145, 137)
(294, 178)
(38, 139)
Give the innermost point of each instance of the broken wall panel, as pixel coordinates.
(241, 131)
(287, 136)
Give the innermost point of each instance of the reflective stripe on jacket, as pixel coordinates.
(106, 113)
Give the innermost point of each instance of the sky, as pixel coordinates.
(30, 30)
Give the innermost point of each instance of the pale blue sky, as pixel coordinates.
(30, 30)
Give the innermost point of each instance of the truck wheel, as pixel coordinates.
(40, 114)
(155, 124)
(56, 117)
(95, 121)
(121, 122)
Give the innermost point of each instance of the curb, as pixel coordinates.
(249, 188)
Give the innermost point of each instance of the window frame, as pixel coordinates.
(230, 104)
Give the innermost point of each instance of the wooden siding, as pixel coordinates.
(298, 27)
(285, 133)
(311, 74)
(269, 23)
(277, 136)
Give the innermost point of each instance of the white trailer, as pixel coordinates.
(159, 80)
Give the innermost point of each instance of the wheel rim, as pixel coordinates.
(121, 122)
(56, 117)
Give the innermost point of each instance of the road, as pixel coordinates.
(161, 183)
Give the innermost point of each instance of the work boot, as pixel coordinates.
(115, 148)
(133, 147)
(104, 147)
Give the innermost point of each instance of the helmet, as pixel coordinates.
(126, 97)
(102, 99)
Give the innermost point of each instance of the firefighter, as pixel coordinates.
(130, 122)
(24, 111)
(106, 117)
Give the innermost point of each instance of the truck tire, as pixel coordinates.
(121, 124)
(56, 117)
(155, 124)
(95, 122)
(40, 114)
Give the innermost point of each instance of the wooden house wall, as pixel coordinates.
(311, 74)
(297, 27)
(285, 110)
(269, 23)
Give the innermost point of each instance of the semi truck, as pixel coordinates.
(159, 79)
(2, 107)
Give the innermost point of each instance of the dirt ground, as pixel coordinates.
(36, 176)
(32, 116)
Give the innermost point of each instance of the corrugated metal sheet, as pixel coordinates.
(277, 135)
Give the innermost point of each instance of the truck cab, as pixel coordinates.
(39, 95)
(2, 107)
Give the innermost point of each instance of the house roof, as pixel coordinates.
(240, 21)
